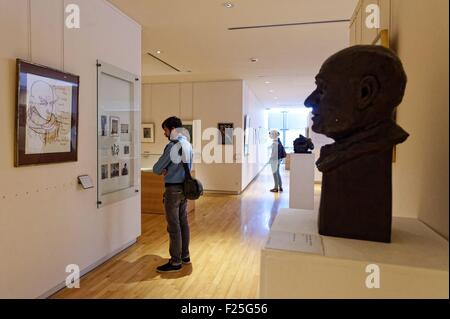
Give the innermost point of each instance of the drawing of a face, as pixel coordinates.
(42, 102)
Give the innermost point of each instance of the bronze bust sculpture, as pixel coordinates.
(357, 92)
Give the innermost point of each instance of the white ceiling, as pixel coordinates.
(194, 36)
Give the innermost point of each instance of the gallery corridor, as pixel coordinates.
(227, 234)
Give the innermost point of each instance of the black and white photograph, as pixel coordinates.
(114, 122)
(104, 125)
(148, 133)
(126, 149)
(124, 169)
(105, 171)
(226, 133)
(115, 149)
(115, 170)
(124, 128)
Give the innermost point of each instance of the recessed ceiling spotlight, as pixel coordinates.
(271, 91)
(228, 5)
(253, 60)
(267, 82)
(158, 52)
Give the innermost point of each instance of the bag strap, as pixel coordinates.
(187, 171)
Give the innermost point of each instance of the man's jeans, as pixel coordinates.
(275, 166)
(175, 205)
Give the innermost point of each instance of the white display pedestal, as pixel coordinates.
(301, 192)
(293, 265)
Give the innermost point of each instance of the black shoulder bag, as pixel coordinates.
(192, 187)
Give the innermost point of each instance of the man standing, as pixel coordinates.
(170, 164)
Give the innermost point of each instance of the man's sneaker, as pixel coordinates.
(168, 268)
(186, 260)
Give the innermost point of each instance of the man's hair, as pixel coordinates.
(171, 123)
(380, 62)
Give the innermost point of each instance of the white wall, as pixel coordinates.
(419, 31)
(419, 34)
(259, 153)
(46, 220)
(212, 103)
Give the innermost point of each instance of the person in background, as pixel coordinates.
(175, 202)
(277, 154)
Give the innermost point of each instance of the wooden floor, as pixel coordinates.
(227, 233)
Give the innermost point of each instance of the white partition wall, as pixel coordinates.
(301, 193)
(47, 221)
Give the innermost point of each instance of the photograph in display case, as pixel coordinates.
(115, 170)
(114, 122)
(104, 125)
(124, 128)
(105, 171)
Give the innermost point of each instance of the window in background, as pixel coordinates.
(290, 123)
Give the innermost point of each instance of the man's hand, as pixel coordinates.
(164, 172)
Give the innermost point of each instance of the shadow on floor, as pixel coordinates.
(143, 269)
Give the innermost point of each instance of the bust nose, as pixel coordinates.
(310, 101)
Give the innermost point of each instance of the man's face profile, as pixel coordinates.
(333, 102)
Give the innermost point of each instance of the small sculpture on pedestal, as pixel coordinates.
(357, 92)
(303, 145)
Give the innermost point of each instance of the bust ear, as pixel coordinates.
(369, 88)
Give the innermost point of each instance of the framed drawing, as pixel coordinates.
(46, 115)
(148, 133)
(226, 133)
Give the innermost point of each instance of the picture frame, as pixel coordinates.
(124, 128)
(115, 170)
(114, 125)
(148, 133)
(104, 125)
(105, 171)
(46, 123)
(226, 133)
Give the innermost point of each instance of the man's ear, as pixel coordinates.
(369, 88)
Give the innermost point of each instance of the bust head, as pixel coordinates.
(357, 87)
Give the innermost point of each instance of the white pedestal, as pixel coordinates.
(301, 193)
(414, 265)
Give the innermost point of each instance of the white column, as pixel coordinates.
(301, 194)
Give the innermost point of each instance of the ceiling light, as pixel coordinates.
(267, 82)
(228, 5)
(271, 91)
(158, 52)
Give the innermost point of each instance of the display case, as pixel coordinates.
(118, 118)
